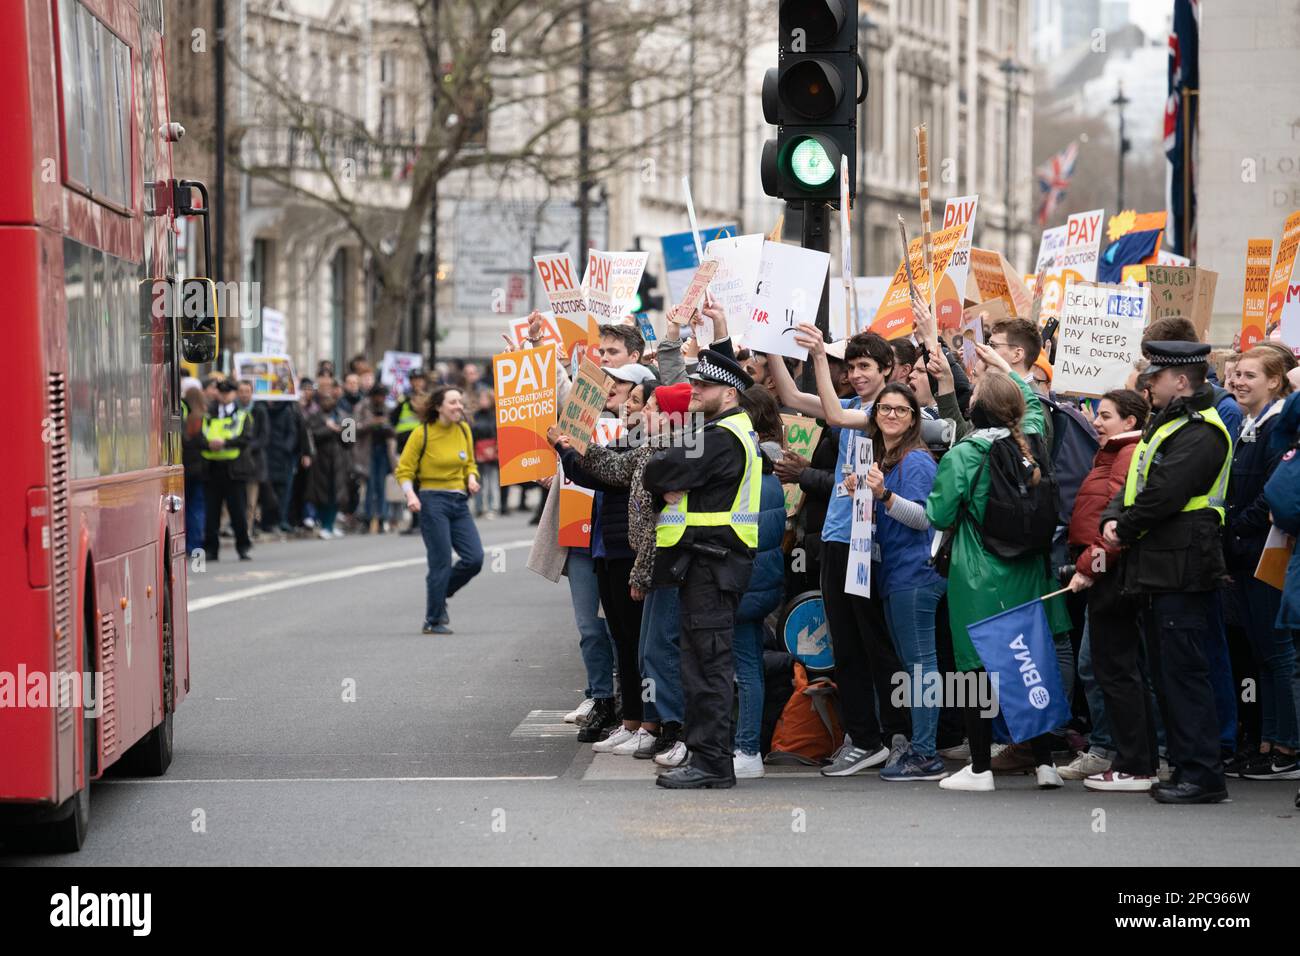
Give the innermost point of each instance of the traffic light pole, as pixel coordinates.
(812, 219)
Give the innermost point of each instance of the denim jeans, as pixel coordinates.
(446, 524)
(660, 654)
(195, 515)
(594, 640)
(379, 466)
(1274, 653)
(910, 614)
(1100, 741)
(747, 659)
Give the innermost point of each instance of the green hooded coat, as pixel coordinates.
(979, 584)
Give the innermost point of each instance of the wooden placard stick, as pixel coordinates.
(923, 180)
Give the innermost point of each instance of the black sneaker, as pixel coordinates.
(601, 719)
(669, 734)
(1273, 766)
(1232, 766)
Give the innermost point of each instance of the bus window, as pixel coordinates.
(96, 71)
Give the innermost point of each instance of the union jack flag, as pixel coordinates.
(1054, 179)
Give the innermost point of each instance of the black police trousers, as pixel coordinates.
(1177, 627)
(222, 489)
(708, 627)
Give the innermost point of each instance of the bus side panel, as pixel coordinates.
(28, 745)
(180, 614)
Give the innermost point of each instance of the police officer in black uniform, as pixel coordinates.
(1168, 518)
(705, 539)
(227, 433)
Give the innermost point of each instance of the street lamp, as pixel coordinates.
(1011, 69)
(1119, 102)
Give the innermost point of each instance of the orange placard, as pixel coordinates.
(563, 292)
(575, 514)
(1254, 304)
(1277, 286)
(894, 318)
(525, 387)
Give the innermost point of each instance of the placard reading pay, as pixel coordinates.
(790, 283)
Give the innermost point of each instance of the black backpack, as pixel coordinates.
(1019, 518)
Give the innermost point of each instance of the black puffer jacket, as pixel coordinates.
(610, 507)
(1247, 522)
(1168, 549)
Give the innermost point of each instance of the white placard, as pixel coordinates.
(857, 578)
(788, 292)
(738, 259)
(1101, 337)
(275, 339)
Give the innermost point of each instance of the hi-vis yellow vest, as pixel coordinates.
(1147, 450)
(231, 426)
(743, 516)
(407, 420)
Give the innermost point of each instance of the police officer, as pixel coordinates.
(227, 430)
(1167, 518)
(405, 419)
(705, 540)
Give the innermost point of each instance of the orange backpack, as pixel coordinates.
(809, 728)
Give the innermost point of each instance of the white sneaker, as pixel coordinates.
(747, 766)
(309, 523)
(1084, 765)
(1123, 782)
(674, 756)
(324, 535)
(967, 779)
(337, 532)
(640, 738)
(582, 710)
(960, 752)
(620, 735)
(1048, 777)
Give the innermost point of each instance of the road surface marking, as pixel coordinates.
(545, 723)
(202, 604)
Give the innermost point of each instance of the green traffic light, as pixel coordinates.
(635, 307)
(810, 165)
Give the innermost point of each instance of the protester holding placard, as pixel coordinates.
(865, 660)
(980, 583)
(1260, 384)
(901, 479)
(437, 473)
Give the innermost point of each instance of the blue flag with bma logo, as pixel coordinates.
(1017, 646)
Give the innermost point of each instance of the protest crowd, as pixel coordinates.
(1006, 580)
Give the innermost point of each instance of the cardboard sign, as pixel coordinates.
(1183, 290)
(550, 332)
(992, 277)
(957, 212)
(894, 318)
(973, 321)
(564, 293)
(585, 403)
(1075, 260)
(1277, 285)
(694, 295)
(396, 370)
(733, 284)
(525, 386)
(801, 436)
(1275, 558)
(788, 292)
(1254, 304)
(868, 294)
(857, 577)
(272, 376)
(1100, 338)
(611, 282)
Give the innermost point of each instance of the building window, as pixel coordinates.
(388, 68)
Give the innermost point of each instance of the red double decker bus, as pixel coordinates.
(92, 574)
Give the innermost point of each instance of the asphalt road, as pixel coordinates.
(453, 750)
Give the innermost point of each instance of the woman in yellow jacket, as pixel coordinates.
(438, 474)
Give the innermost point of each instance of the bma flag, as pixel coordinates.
(1017, 647)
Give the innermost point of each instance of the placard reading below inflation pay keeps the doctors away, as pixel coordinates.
(1101, 337)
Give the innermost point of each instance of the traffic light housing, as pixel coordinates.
(811, 96)
(646, 300)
